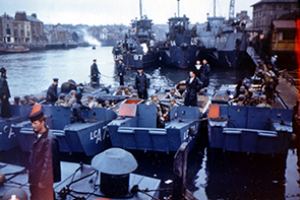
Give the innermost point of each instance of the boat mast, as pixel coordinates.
(231, 10)
(178, 11)
(214, 11)
(141, 9)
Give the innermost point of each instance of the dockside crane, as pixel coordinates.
(231, 10)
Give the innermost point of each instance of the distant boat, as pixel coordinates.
(138, 47)
(14, 49)
(179, 50)
(94, 47)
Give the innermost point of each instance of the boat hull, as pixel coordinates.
(135, 61)
(88, 138)
(141, 132)
(179, 57)
(8, 138)
(238, 129)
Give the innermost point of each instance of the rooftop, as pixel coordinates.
(274, 1)
(32, 18)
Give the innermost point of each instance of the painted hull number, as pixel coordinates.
(96, 135)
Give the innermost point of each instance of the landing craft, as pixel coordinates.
(8, 138)
(88, 138)
(138, 50)
(237, 127)
(137, 127)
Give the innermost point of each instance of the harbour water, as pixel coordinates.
(30, 73)
(211, 174)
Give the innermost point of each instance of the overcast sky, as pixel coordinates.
(96, 12)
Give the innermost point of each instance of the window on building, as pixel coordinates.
(288, 34)
(8, 32)
(279, 36)
(8, 39)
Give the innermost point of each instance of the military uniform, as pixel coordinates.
(121, 72)
(52, 93)
(192, 88)
(44, 167)
(142, 84)
(4, 95)
(94, 74)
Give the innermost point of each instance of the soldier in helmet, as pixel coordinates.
(4, 94)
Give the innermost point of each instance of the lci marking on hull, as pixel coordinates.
(88, 138)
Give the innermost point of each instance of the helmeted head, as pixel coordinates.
(3, 72)
(55, 81)
(140, 70)
(37, 118)
(36, 112)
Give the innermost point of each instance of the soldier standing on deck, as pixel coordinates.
(95, 74)
(4, 94)
(44, 164)
(205, 73)
(52, 92)
(197, 69)
(193, 85)
(141, 84)
(121, 71)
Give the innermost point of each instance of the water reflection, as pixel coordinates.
(241, 176)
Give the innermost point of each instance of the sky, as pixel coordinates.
(102, 12)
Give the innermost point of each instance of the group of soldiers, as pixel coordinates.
(198, 79)
(259, 90)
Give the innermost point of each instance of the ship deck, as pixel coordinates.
(16, 177)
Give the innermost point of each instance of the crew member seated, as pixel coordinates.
(173, 94)
(162, 112)
(76, 110)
